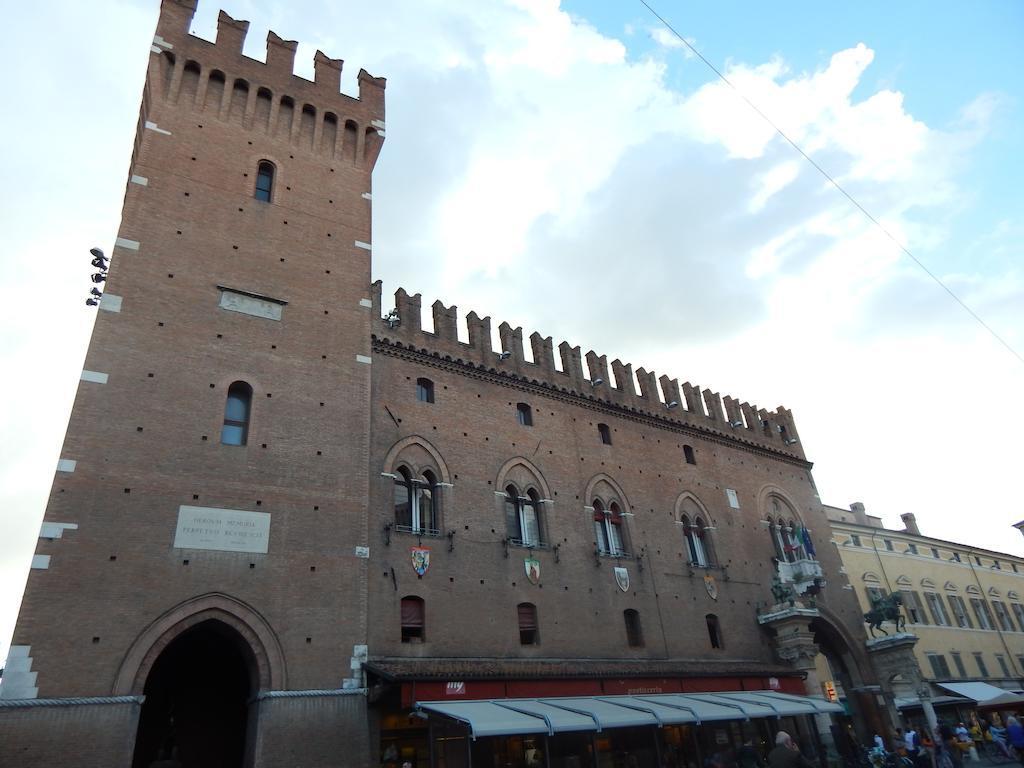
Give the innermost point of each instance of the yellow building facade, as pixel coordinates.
(965, 604)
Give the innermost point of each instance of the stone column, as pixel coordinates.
(894, 655)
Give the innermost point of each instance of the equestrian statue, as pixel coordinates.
(885, 608)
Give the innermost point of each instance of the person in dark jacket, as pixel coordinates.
(1015, 735)
(786, 753)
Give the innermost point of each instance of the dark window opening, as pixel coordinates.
(528, 630)
(524, 415)
(412, 620)
(689, 455)
(605, 433)
(265, 181)
(425, 390)
(714, 631)
(608, 528)
(236, 414)
(634, 634)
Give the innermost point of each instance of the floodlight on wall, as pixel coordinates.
(673, 404)
(597, 382)
(791, 441)
(393, 319)
(96, 292)
(737, 423)
(98, 277)
(505, 355)
(92, 302)
(97, 252)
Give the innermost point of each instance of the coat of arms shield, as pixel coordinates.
(622, 578)
(711, 586)
(420, 559)
(532, 567)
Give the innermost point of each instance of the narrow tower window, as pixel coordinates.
(634, 634)
(424, 390)
(265, 181)
(412, 619)
(528, 633)
(524, 415)
(236, 414)
(605, 433)
(688, 455)
(714, 631)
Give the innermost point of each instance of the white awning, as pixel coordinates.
(980, 692)
(503, 717)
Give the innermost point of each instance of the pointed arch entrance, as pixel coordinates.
(197, 699)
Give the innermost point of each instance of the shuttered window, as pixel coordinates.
(529, 633)
(412, 620)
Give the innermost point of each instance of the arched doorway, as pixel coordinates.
(197, 694)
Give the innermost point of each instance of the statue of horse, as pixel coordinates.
(886, 608)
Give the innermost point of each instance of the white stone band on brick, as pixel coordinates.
(96, 377)
(40, 562)
(367, 196)
(363, 552)
(19, 681)
(110, 303)
(157, 40)
(377, 124)
(155, 49)
(365, 303)
(151, 126)
(66, 465)
(363, 359)
(124, 242)
(56, 530)
(364, 246)
(140, 180)
(250, 304)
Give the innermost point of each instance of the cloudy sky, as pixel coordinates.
(574, 170)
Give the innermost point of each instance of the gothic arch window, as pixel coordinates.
(237, 411)
(523, 517)
(700, 550)
(786, 532)
(416, 502)
(265, 181)
(608, 528)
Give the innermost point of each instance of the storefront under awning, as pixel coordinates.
(984, 694)
(503, 717)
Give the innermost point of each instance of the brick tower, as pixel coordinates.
(203, 547)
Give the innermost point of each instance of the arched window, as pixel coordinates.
(413, 619)
(265, 181)
(689, 455)
(714, 631)
(698, 543)
(605, 433)
(236, 414)
(634, 633)
(608, 528)
(787, 536)
(424, 390)
(775, 531)
(416, 502)
(522, 517)
(524, 415)
(529, 633)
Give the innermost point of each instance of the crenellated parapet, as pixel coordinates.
(219, 80)
(601, 384)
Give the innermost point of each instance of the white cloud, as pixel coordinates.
(536, 172)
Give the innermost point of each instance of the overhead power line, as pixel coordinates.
(835, 183)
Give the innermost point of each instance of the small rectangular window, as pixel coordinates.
(424, 390)
(605, 434)
(1018, 612)
(888, 544)
(528, 631)
(912, 549)
(1003, 667)
(412, 620)
(935, 553)
(940, 669)
(958, 662)
(980, 661)
(524, 415)
(956, 557)
(855, 540)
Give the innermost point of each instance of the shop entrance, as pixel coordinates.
(197, 692)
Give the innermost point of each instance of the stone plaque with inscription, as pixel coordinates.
(249, 305)
(227, 530)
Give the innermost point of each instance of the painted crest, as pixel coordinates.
(420, 559)
(711, 586)
(532, 567)
(622, 578)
